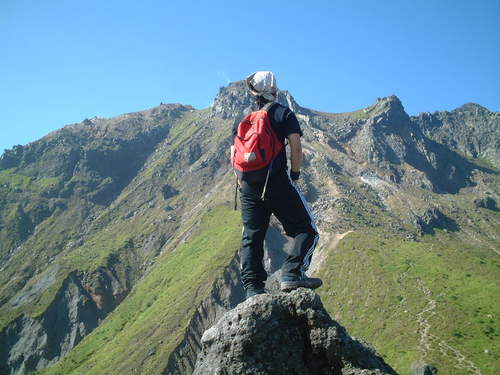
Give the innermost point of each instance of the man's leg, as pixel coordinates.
(293, 212)
(255, 216)
(299, 259)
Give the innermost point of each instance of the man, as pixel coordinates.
(281, 198)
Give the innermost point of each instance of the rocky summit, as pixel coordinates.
(284, 334)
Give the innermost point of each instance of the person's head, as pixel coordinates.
(262, 86)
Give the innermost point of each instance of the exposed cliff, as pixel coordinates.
(471, 129)
(382, 141)
(81, 303)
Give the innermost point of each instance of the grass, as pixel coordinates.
(360, 114)
(180, 132)
(113, 240)
(14, 181)
(48, 241)
(386, 290)
(16, 227)
(158, 310)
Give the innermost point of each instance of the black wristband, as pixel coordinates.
(294, 175)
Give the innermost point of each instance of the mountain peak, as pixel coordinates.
(390, 104)
(471, 107)
(233, 100)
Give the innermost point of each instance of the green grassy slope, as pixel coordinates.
(142, 331)
(435, 300)
(67, 242)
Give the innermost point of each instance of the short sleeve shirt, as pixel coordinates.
(284, 123)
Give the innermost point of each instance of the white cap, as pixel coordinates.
(262, 84)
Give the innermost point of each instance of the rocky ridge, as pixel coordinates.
(471, 129)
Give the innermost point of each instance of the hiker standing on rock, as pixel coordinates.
(259, 160)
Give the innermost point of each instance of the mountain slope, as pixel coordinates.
(471, 129)
(144, 330)
(104, 247)
(92, 216)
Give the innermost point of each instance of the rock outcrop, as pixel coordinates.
(82, 302)
(233, 101)
(486, 202)
(284, 333)
(470, 129)
(433, 218)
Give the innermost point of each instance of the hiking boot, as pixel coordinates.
(303, 282)
(254, 291)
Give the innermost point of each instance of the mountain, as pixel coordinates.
(470, 129)
(118, 242)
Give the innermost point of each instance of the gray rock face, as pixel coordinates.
(284, 333)
(234, 101)
(389, 140)
(30, 344)
(424, 369)
(470, 129)
(486, 202)
(434, 218)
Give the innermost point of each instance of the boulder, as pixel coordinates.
(486, 202)
(284, 333)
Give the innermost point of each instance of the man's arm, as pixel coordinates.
(295, 154)
(231, 153)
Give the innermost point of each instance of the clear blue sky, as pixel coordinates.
(63, 61)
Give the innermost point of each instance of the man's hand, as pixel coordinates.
(295, 155)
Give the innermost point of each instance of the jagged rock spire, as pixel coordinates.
(234, 100)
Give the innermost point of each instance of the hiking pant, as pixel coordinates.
(288, 205)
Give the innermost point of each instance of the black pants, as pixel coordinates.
(284, 201)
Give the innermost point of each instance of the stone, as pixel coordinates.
(284, 333)
(486, 202)
(423, 369)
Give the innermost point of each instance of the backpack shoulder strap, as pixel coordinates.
(267, 106)
(280, 113)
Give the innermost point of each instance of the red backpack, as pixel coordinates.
(255, 147)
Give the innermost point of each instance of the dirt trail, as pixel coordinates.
(422, 319)
(328, 243)
(429, 341)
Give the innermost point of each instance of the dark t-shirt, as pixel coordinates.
(284, 123)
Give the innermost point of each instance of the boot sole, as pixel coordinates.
(289, 288)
